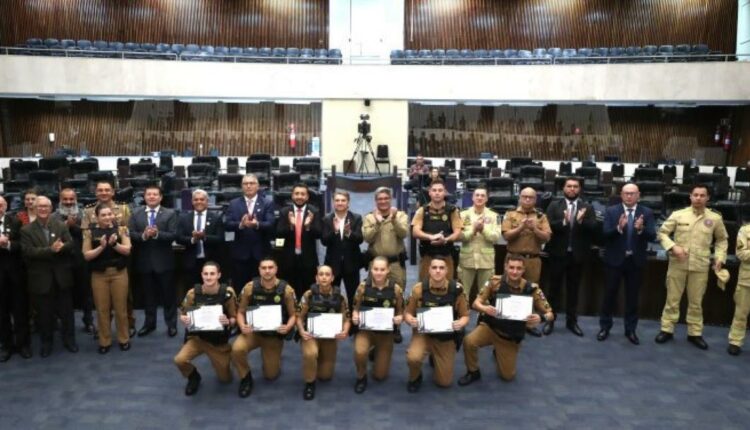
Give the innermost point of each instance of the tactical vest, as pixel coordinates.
(320, 304)
(215, 337)
(261, 297)
(376, 298)
(510, 329)
(431, 300)
(109, 257)
(434, 223)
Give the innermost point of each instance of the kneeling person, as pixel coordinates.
(215, 344)
(504, 334)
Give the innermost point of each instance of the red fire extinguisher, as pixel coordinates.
(717, 136)
(292, 137)
(728, 139)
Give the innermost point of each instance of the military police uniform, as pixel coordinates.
(526, 244)
(386, 239)
(433, 221)
(694, 231)
(742, 292)
(477, 258)
(319, 355)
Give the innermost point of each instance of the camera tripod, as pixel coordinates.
(363, 150)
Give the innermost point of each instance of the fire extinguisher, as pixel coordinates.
(717, 136)
(728, 139)
(292, 137)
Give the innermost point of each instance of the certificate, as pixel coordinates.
(325, 326)
(264, 318)
(435, 320)
(514, 307)
(376, 319)
(206, 318)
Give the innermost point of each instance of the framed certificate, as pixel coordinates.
(325, 326)
(206, 318)
(514, 307)
(376, 319)
(264, 318)
(435, 320)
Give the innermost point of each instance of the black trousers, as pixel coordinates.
(58, 303)
(566, 271)
(299, 274)
(14, 309)
(156, 286)
(243, 271)
(351, 281)
(83, 296)
(631, 274)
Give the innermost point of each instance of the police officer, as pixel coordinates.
(741, 293)
(262, 291)
(694, 229)
(504, 335)
(376, 292)
(319, 355)
(433, 291)
(215, 344)
(478, 236)
(437, 225)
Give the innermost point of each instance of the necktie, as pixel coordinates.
(571, 220)
(151, 217)
(631, 230)
(298, 232)
(250, 206)
(199, 227)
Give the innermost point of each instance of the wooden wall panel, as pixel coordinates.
(528, 24)
(300, 23)
(135, 128)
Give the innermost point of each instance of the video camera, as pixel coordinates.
(364, 126)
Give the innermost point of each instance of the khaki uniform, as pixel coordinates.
(506, 349)
(456, 224)
(270, 344)
(526, 244)
(443, 352)
(694, 232)
(219, 355)
(318, 355)
(381, 341)
(742, 293)
(477, 259)
(386, 239)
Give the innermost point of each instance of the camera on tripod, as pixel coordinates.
(364, 127)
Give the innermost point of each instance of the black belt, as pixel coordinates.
(527, 256)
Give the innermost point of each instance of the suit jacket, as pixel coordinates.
(616, 242)
(11, 257)
(343, 255)
(154, 254)
(44, 266)
(582, 234)
(309, 236)
(251, 243)
(213, 226)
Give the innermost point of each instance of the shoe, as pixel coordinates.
(397, 338)
(131, 332)
(246, 385)
(415, 385)
(89, 328)
(663, 336)
(194, 382)
(5, 355)
(534, 332)
(573, 327)
(125, 346)
(146, 330)
(633, 338)
(469, 378)
(698, 342)
(104, 349)
(431, 359)
(734, 349)
(549, 327)
(25, 352)
(172, 331)
(46, 350)
(71, 346)
(602, 335)
(361, 385)
(309, 392)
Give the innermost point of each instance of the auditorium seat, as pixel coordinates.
(648, 174)
(259, 156)
(531, 176)
(500, 194)
(649, 51)
(722, 170)
(201, 175)
(618, 170)
(452, 56)
(47, 182)
(397, 56)
(474, 175)
(670, 173)
(688, 172)
(591, 181)
(717, 183)
(321, 56)
(309, 173)
(230, 186)
(699, 52)
(142, 174)
(652, 195)
(282, 187)
(438, 56)
(742, 178)
(261, 168)
(208, 159)
(53, 163)
(233, 165)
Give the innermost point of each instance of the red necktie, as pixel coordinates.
(298, 232)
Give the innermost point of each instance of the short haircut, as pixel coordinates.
(264, 259)
(437, 181)
(438, 257)
(153, 187)
(105, 181)
(66, 189)
(383, 190)
(200, 191)
(482, 186)
(342, 193)
(33, 191)
(301, 185)
(249, 176)
(211, 263)
(574, 178)
(99, 207)
(516, 257)
(704, 186)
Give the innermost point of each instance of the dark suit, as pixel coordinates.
(82, 295)
(250, 245)
(13, 293)
(154, 261)
(213, 226)
(299, 269)
(343, 255)
(50, 277)
(622, 264)
(568, 248)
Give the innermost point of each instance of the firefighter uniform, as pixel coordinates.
(477, 258)
(742, 292)
(386, 239)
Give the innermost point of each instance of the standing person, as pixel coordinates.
(153, 228)
(741, 293)
(573, 224)
(319, 355)
(215, 344)
(376, 292)
(694, 228)
(478, 237)
(342, 235)
(47, 250)
(106, 246)
(201, 232)
(28, 213)
(437, 225)
(14, 306)
(435, 290)
(264, 290)
(251, 218)
(628, 228)
(300, 227)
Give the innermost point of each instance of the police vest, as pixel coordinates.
(109, 257)
(214, 337)
(261, 297)
(432, 300)
(434, 223)
(320, 304)
(377, 298)
(510, 329)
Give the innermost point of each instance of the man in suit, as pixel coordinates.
(299, 225)
(153, 228)
(573, 225)
(201, 232)
(342, 235)
(251, 218)
(48, 248)
(14, 307)
(628, 228)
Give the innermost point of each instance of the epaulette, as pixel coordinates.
(91, 205)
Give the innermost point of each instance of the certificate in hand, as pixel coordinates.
(206, 318)
(325, 326)
(514, 307)
(435, 320)
(264, 318)
(376, 319)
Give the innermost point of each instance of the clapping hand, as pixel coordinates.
(638, 224)
(580, 214)
(112, 239)
(623, 222)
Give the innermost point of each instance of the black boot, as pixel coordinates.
(397, 338)
(415, 385)
(470, 377)
(194, 382)
(361, 385)
(309, 392)
(246, 385)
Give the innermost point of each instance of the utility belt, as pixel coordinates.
(526, 256)
(368, 256)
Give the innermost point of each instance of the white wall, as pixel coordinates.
(743, 29)
(366, 28)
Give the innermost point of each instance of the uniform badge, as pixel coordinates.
(444, 217)
(386, 303)
(277, 299)
(708, 223)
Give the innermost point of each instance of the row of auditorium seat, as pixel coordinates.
(630, 54)
(186, 52)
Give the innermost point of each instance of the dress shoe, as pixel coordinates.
(309, 392)
(71, 346)
(360, 385)
(663, 337)
(25, 352)
(194, 382)
(397, 337)
(734, 349)
(549, 327)
(698, 342)
(104, 349)
(172, 331)
(470, 378)
(573, 327)
(131, 332)
(46, 350)
(534, 332)
(125, 346)
(5, 355)
(246, 385)
(633, 338)
(602, 335)
(146, 330)
(415, 385)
